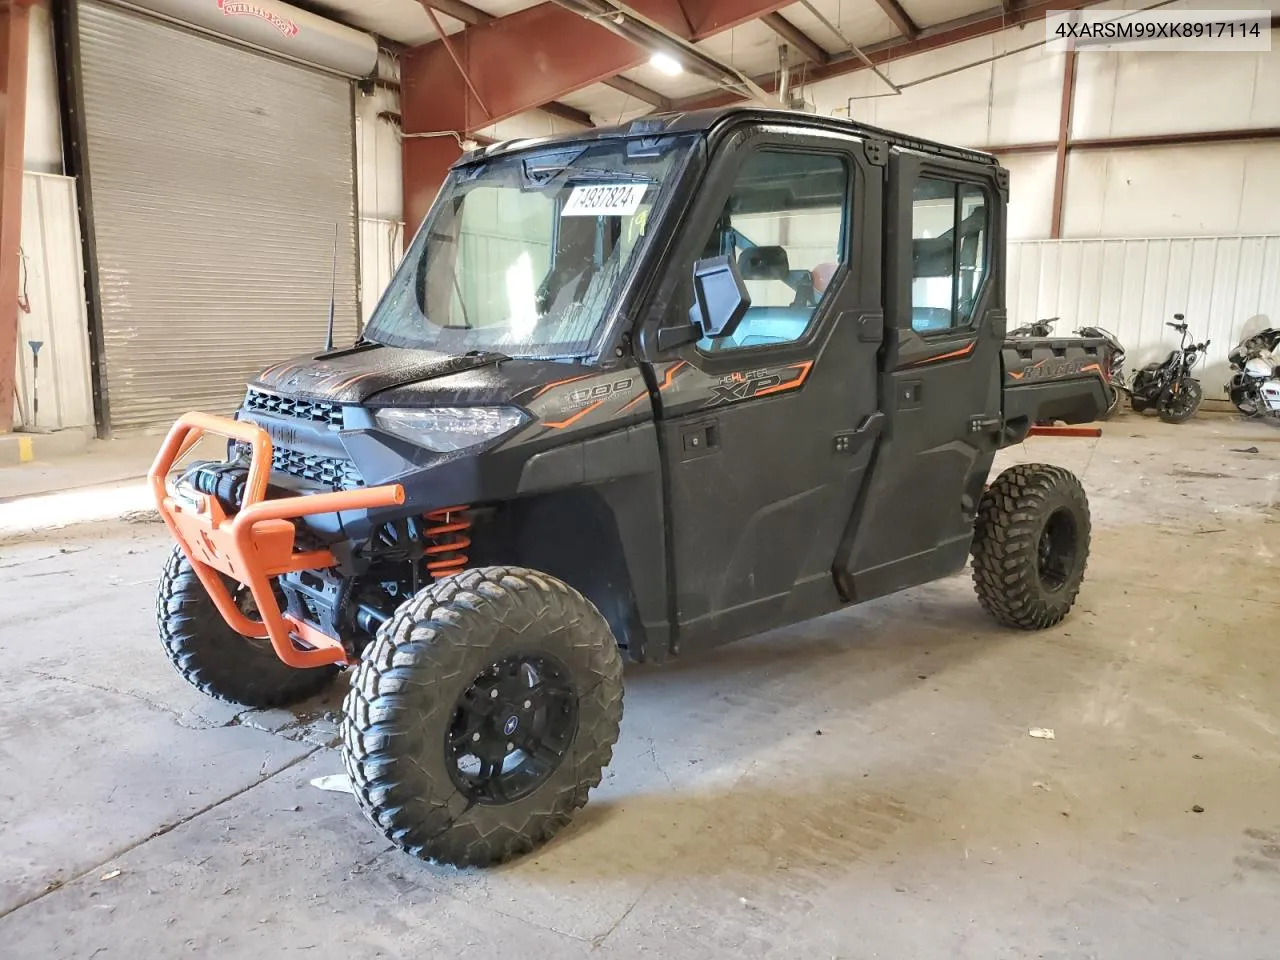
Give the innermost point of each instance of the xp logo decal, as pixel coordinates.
(749, 384)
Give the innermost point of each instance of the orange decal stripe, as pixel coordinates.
(1092, 366)
(631, 403)
(671, 373)
(559, 383)
(1017, 376)
(804, 369)
(962, 352)
(560, 425)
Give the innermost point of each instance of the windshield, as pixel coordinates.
(525, 255)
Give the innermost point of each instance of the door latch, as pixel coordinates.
(985, 424)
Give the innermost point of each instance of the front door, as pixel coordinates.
(761, 430)
(944, 303)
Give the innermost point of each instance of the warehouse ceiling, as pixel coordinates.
(819, 34)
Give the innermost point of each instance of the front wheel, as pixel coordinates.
(1180, 400)
(482, 715)
(215, 659)
(1244, 399)
(1030, 545)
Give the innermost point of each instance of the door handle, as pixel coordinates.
(985, 424)
(851, 441)
(699, 439)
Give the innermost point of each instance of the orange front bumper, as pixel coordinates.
(257, 542)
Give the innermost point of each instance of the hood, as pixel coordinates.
(397, 376)
(353, 375)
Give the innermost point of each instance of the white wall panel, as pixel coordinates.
(1133, 287)
(1204, 190)
(381, 246)
(54, 294)
(1030, 194)
(378, 156)
(1026, 93)
(42, 141)
(1136, 94)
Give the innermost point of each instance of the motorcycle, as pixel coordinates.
(1041, 328)
(1168, 385)
(1255, 383)
(1116, 385)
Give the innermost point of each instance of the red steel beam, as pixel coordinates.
(539, 54)
(1064, 136)
(464, 12)
(901, 19)
(525, 60)
(14, 30)
(793, 35)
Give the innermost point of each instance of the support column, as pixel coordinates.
(1064, 140)
(14, 29)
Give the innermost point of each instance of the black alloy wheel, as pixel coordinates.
(511, 729)
(1056, 551)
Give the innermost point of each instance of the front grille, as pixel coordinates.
(337, 473)
(314, 411)
(333, 472)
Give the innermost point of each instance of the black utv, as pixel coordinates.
(639, 391)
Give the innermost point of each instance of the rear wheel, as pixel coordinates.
(1180, 400)
(482, 715)
(215, 659)
(1030, 545)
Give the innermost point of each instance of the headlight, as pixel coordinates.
(449, 429)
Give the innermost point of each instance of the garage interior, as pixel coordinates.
(194, 190)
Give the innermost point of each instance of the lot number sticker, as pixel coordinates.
(620, 200)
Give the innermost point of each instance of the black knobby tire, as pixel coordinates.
(215, 659)
(1180, 401)
(401, 714)
(1028, 507)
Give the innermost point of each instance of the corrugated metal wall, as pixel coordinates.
(53, 291)
(1133, 287)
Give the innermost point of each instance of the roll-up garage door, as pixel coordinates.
(218, 179)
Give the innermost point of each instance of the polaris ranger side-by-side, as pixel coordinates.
(639, 391)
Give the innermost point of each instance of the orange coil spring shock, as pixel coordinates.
(447, 540)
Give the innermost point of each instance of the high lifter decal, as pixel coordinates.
(749, 384)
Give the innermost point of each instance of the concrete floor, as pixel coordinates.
(863, 785)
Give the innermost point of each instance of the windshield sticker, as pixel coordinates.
(605, 201)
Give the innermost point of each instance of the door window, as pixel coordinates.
(949, 237)
(784, 223)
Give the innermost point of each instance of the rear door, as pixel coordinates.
(944, 304)
(760, 431)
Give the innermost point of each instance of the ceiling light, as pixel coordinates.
(665, 63)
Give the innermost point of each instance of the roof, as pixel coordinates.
(715, 120)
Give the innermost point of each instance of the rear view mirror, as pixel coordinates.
(720, 297)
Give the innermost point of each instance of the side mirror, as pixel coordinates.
(1179, 317)
(720, 297)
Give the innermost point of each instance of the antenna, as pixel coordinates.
(333, 291)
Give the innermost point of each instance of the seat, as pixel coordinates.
(822, 275)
